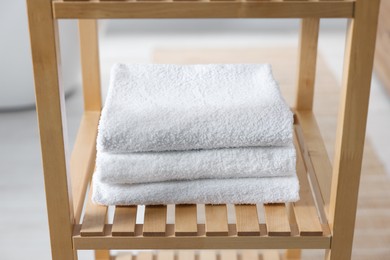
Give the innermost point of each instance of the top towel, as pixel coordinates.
(161, 107)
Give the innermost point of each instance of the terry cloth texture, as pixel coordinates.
(206, 191)
(196, 164)
(160, 107)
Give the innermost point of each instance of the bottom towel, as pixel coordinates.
(204, 191)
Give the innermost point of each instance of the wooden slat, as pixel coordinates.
(216, 220)
(94, 218)
(247, 220)
(307, 63)
(305, 211)
(155, 220)
(260, 9)
(89, 52)
(185, 255)
(207, 255)
(124, 221)
(82, 161)
(277, 219)
(166, 255)
(351, 127)
(144, 256)
(186, 220)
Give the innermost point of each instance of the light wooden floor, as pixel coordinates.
(372, 236)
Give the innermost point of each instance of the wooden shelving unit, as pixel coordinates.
(322, 219)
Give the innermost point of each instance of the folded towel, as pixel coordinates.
(195, 164)
(206, 191)
(159, 107)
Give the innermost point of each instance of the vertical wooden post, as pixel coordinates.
(351, 130)
(307, 60)
(308, 43)
(89, 49)
(52, 126)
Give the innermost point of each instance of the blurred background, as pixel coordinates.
(145, 41)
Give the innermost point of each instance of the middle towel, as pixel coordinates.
(254, 162)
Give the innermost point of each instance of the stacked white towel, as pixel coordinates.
(218, 133)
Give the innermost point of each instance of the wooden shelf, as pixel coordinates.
(81, 9)
(291, 225)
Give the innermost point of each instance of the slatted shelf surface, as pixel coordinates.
(201, 255)
(100, 9)
(283, 225)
